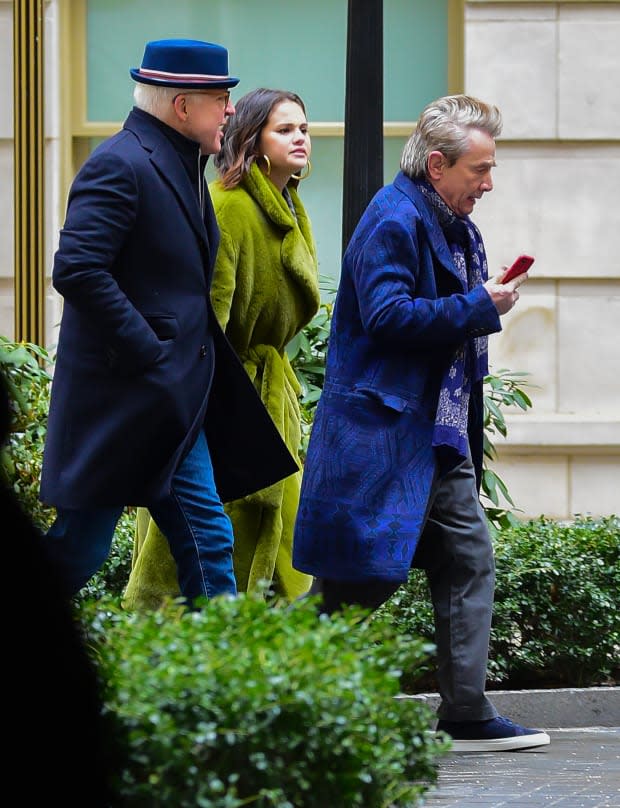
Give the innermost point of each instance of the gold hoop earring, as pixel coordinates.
(305, 176)
(268, 164)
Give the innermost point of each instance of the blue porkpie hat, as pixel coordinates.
(185, 63)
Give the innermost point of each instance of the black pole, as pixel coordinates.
(363, 116)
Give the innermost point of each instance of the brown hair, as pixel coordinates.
(243, 130)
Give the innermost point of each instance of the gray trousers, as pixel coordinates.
(456, 553)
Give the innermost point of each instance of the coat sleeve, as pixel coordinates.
(101, 212)
(397, 302)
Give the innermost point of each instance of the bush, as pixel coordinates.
(245, 703)
(556, 620)
(502, 388)
(307, 352)
(25, 368)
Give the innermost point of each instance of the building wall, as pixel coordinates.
(552, 69)
(6, 168)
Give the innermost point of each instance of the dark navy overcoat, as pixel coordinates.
(142, 365)
(399, 316)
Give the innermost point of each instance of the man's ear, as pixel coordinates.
(436, 164)
(179, 107)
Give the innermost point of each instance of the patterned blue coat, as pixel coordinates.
(400, 314)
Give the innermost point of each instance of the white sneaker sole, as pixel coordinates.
(501, 744)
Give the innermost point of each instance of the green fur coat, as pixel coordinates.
(264, 291)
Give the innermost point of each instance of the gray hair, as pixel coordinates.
(154, 98)
(444, 126)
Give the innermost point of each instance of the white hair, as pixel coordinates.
(445, 125)
(154, 98)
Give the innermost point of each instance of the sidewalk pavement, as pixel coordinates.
(579, 769)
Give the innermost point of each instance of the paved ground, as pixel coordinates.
(579, 769)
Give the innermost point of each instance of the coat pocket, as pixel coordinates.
(165, 326)
(383, 403)
(389, 400)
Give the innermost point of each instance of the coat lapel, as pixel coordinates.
(212, 229)
(298, 251)
(168, 163)
(432, 230)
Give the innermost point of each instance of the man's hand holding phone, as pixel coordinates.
(503, 289)
(519, 266)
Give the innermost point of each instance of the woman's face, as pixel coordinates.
(286, 141)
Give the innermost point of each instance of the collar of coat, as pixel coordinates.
(432, 229)
(274, 205)
(298, 250)
(168, 158)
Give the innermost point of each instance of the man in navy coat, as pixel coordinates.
(146, 387)
(392, 473)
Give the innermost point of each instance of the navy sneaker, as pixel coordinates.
(495, 735)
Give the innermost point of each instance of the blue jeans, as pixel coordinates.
(191, 516)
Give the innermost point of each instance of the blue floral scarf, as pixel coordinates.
(470, 363)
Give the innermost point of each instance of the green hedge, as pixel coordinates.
(25, 370)
(245, 703)
(556, 618)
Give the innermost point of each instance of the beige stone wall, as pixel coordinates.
(553, 70)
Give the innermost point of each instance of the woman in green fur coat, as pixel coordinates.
(264, 291)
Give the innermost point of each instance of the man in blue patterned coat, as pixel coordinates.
(394, 463)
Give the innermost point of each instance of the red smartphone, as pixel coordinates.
(520, 265)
